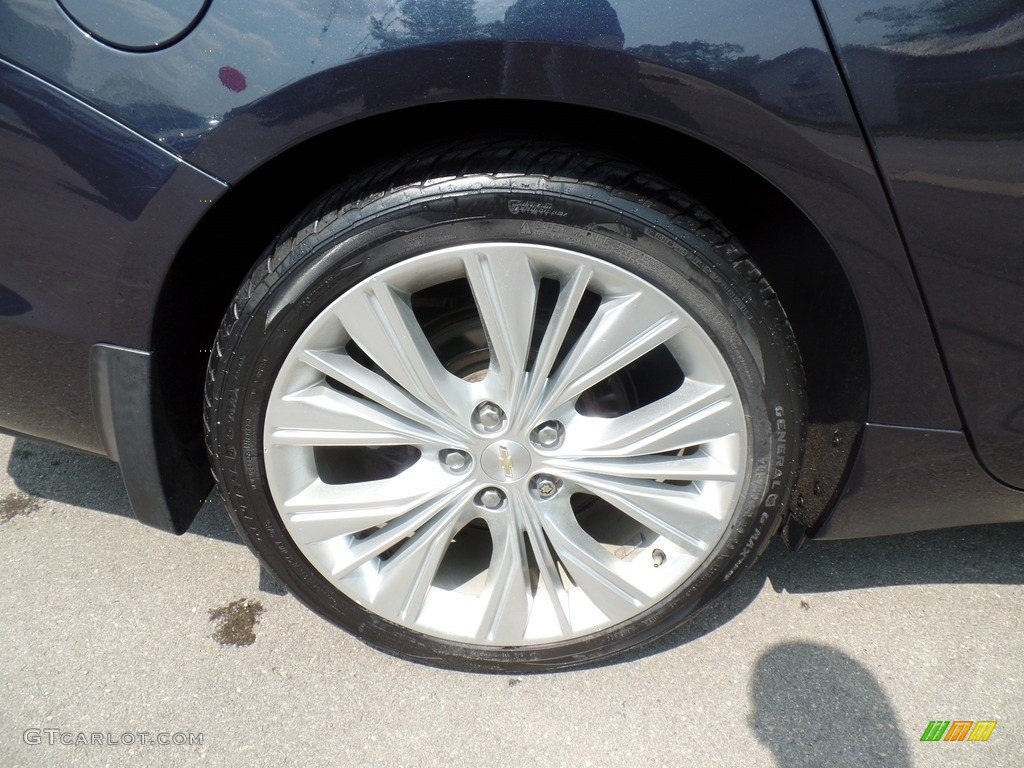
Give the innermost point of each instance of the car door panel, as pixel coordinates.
(940, 87)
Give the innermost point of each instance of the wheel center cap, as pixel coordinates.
(505, 461)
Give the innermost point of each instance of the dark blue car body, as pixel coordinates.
(870, 155)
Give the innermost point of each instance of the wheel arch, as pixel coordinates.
(793, 253)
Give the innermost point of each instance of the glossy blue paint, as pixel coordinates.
(90, 241)
(916, 480)
(272, 44)
(941, 87)
(750, 77)
(83, 251)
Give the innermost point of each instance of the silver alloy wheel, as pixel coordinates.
(502, 507)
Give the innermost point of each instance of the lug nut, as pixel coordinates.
(488, 417)
(548, 434)
(545, 486)
(456, 461)
(491, 498)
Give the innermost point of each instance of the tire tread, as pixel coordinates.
(510, 164)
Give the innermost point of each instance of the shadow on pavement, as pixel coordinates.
(814, 706)
(70, 477)
(93, 482)
(982, 554)
(989, 554)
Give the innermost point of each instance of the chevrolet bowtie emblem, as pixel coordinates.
(505, 459)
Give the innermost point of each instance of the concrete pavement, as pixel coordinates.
(837, 655)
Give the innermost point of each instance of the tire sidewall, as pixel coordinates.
(323, 261)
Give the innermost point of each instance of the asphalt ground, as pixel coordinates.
(123, 643)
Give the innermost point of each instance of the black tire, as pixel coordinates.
(597, 209)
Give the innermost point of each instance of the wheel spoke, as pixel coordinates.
(381, 321)
(593, 569)
(357, 553)
(696, 467)
(694, 414)
(569, 297)
(549, 579)
(505, 290)
(320, 511)
(678, 514)
(344, 369)
(406, 578)
(320, 415)
(506, 595)
(623, 330)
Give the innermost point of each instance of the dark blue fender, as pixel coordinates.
(253, 82)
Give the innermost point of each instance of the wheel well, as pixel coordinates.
(796, 259)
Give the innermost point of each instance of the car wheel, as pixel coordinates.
(505, 407)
